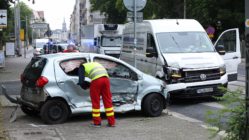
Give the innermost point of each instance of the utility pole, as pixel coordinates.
(184, 9)
(26, 36)
(135, 33)
(17, 28)
(247, 67)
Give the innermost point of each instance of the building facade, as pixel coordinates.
(81, 16)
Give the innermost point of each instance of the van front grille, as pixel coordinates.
(202, 75)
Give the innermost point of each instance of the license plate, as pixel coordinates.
(205, 90)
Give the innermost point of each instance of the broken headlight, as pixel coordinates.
(174, 73)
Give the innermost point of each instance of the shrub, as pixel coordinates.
(232, 118)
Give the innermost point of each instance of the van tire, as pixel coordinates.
(29, 111)
(152, 105)
(54, 112)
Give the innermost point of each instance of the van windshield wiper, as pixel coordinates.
(175, 42)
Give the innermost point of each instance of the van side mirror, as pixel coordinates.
(150, 52)
(220, 49)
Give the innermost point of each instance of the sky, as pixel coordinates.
(54, 11)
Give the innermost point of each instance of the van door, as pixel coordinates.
(231, 42)
(150, 56)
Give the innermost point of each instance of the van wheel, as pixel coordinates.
(153, 105)
(54, 112)
(29, 111)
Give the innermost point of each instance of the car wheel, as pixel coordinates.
(54, 112)
(29, 111)
(153, 105)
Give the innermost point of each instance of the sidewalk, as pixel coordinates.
(14, 66)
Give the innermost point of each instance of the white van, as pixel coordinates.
(180, 52)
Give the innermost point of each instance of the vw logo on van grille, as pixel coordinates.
(203, 77)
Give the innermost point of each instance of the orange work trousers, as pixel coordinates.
(101, 87)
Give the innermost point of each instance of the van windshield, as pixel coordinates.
(111, 41)
(184, 42)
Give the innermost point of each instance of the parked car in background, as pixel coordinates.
(49, 87)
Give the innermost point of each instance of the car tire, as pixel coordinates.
(54, 112)
(152, 105)
(29, 111)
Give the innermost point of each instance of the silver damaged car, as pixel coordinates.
(49, 87)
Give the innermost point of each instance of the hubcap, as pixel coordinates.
(155, 105)
(55, 112)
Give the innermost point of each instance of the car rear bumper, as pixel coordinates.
(18, 100)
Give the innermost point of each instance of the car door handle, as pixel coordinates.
(145, 60)
(235, 57)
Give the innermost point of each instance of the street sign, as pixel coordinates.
(129, 4)
(130, 16)
(247, 23)
(3, 18)
(39, 25)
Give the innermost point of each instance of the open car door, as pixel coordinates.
(231, 42)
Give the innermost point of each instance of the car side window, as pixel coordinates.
(228, 40)
(115, 69)
(71, 66)
(150, 42)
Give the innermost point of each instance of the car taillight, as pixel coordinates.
(41, 82)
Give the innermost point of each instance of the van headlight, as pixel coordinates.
(175, 73)
(222, 70)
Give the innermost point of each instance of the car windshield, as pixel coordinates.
(111, 41)
(33, 71)
(184, 42)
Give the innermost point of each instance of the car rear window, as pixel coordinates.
(33, 71)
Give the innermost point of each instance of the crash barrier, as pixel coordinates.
(2, 59)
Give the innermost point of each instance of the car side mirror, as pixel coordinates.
(220, 49)
(150, 52)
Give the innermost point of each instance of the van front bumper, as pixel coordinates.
(199, 91)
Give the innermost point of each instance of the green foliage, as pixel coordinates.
(231, 118)
(24, 11)
(207, 12)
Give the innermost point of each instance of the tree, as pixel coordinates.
(207, 12)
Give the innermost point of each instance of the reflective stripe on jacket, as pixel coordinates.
(94, 70)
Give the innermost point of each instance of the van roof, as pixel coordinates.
(175, 25)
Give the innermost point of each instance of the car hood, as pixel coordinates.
(194, 60)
